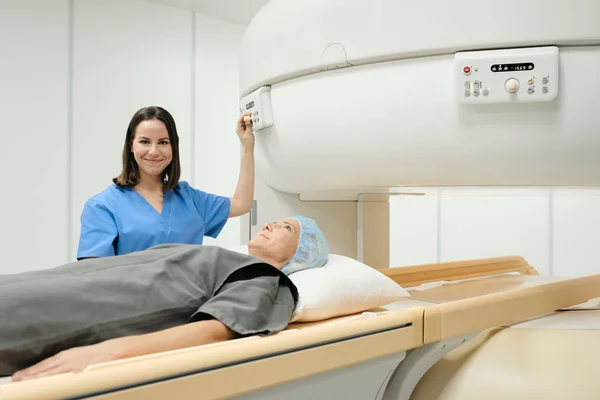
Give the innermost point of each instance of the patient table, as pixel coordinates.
(386, 353)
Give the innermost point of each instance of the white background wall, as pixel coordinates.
(556, 230)
(217, 91)
(34, 101)
(72, 74)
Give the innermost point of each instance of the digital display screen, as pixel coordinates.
(512, 67)
(249, 105)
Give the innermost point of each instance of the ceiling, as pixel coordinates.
(236, 11)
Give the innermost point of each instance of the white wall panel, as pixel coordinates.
(34, 95)
(576, 238)
(217, 147)
(491, 223)
(413, 229)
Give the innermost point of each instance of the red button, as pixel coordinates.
(467, 70)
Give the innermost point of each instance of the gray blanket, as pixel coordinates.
(81, 303)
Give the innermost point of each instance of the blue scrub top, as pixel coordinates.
(119, 220)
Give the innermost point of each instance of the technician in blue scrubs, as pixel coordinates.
(147, 205)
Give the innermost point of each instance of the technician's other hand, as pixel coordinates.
(72, 360)
(244, 130)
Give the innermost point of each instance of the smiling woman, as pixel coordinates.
(147, 205)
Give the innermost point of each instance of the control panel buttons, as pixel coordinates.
(512, 85)
(511, 76)
(258, 104)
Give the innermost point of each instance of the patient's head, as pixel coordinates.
(291, 245)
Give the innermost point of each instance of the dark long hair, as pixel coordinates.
(130, 175)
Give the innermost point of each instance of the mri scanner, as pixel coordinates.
(354, 102)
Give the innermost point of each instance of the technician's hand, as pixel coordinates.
(72, 360)
(244, 130)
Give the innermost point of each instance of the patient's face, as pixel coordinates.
(277, 242)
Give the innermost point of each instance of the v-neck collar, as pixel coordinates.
(166, 207)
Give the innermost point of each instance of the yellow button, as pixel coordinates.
(511, 85)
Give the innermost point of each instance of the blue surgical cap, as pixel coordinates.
(312, 251)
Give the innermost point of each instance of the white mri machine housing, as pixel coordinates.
(353, 100)
(371, 93)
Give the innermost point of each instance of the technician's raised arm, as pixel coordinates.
(241, 202)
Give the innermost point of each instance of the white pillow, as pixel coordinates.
(343, 286)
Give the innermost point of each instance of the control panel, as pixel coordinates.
(506, 75)
(258, 103)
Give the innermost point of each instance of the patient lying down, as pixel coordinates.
(167, 297)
